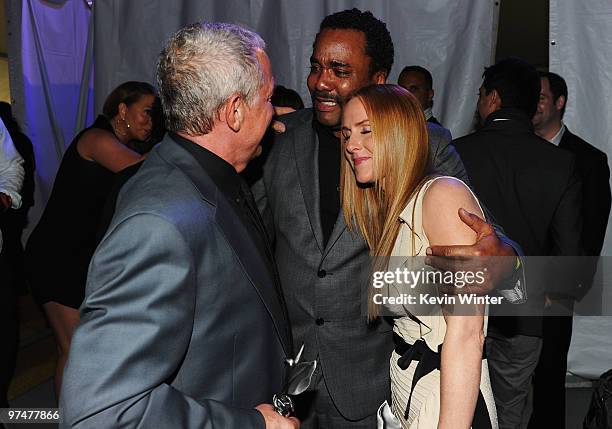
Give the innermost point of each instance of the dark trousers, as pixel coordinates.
(316, 410)
(512, 362)
(549, 379)
(9, 332)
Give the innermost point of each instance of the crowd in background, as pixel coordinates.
(545, 187)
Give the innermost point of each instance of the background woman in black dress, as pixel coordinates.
(61, 245)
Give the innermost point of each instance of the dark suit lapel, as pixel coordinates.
(566, 140)
(252, 260)
(254, 264)
(339, 228)
(306, 146)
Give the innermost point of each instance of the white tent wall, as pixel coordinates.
(48, 44)
(453, 39)
(47, 50)
(580, 41)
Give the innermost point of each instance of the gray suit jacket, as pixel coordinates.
(325, 286)
(181, 325)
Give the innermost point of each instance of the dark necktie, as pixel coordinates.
(250, 208)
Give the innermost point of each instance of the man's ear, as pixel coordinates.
(496, 100)
(234, 112)
(431, 96)
(379, 77)
(560, 103)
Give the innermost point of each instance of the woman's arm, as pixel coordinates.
(461, 358)
(103, 148)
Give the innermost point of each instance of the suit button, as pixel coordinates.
(319, 321)
(322, 273)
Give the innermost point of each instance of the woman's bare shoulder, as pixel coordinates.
(441, 203)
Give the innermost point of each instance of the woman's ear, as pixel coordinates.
(234, 112)
(122, 109)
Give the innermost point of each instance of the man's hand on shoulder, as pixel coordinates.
(275, 420)
(5, 202)
(489, 255)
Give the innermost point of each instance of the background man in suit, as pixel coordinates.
(419, 81)
(592, 165)
(183, 324)
(324, 269)
(532, 189)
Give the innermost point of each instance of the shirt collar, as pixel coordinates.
(428, 113)
(323, 132)
(220, 171)
(506, 116)
(557, 137)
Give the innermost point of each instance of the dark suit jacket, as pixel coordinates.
(592, 164)
(325, 285)
(532, 189)
(181, 325)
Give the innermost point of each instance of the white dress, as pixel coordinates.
(425, 402)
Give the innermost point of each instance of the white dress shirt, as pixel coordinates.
(557, 137)
(11, 170)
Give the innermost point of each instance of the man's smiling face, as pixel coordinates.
(339, 66)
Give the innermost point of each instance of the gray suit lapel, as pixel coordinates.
(306, 146)
(243, 246)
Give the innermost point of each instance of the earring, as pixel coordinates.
(116, 129)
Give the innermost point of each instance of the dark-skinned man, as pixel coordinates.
(419, 81)
(324, 269)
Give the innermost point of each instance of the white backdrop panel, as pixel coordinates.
(580, 41)
(453, 39)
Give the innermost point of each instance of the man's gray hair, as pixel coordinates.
(200, 67)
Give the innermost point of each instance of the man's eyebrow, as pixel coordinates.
(336, 63)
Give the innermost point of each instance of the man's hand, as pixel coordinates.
(489, 255)
(275, 420)
(278, 127)
(5, 202)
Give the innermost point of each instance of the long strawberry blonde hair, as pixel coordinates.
(400, 161)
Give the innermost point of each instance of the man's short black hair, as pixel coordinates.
(286, 97)
(418, 69)
(558, 87)
(379, 46)
(516, 81)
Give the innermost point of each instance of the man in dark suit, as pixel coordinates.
(324, 269)
(419, 81)
(592, 165)
(532, 189)
(183, 323)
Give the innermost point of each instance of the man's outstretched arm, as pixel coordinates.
(11, 172)
(496, 255)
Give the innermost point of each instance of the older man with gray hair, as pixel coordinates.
(183, 323)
